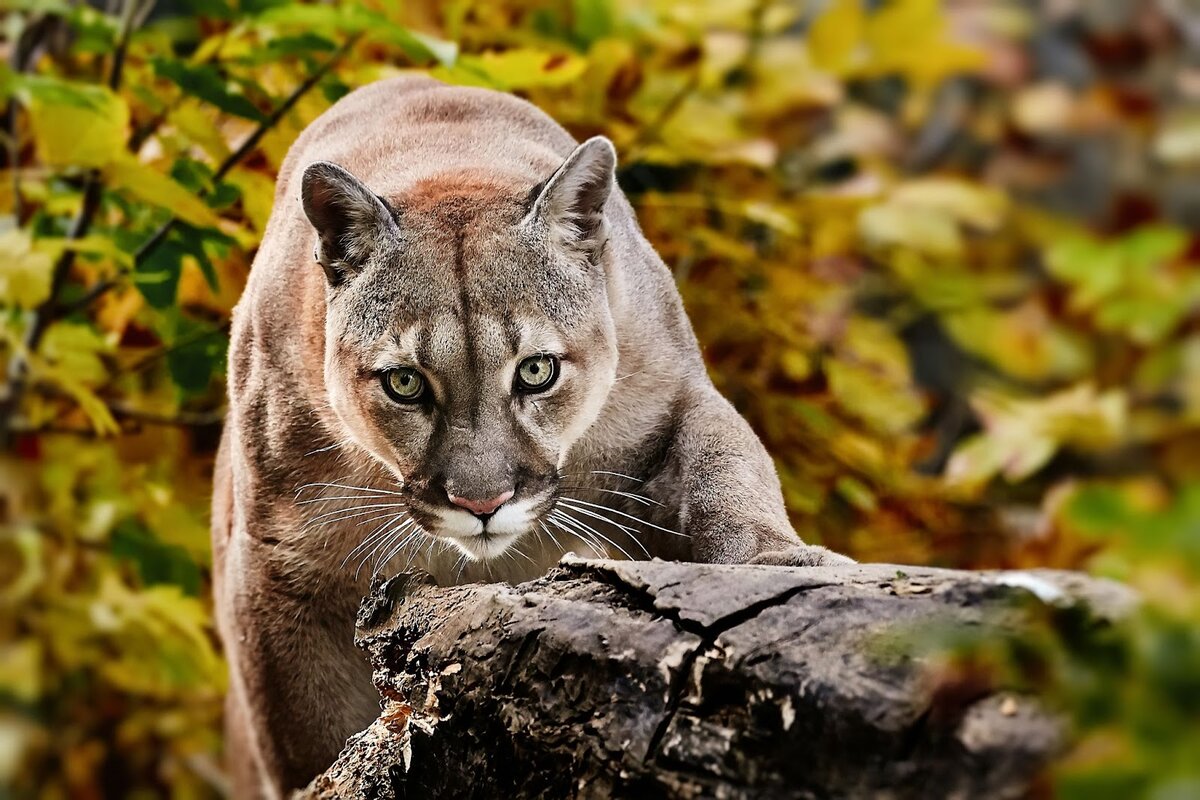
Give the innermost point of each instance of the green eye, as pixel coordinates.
(537, 373)
(404, 385)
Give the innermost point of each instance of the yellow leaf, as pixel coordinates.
(519, 68)
(23, 571)
(1022, 435)
(25, 279)
(796, 365)
(932, 232)
(21, 669)
(258, 195)
(198, 123)
(911, 37)
(835, 39)
(75, 124)
(149, 185)
(876, 399)
(70, 359)
(1044, 108)
(89, 402)
(1025, 341)
(969, 203)
(1178, 142)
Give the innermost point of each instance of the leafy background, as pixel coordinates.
(943, 255)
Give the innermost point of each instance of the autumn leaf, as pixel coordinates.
(147, 184)
(74, 124)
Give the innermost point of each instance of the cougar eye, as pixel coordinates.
(537, 373)
(404, 385)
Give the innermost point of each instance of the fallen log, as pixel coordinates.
(656, 679)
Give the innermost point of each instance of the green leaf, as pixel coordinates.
(420, 47)
(195, 355)
(95, 32)
(301, 44)
(151, 186)
(193, 366)
(196, 243)
(157, 562)
(157, 276)
(593, 20)
(206, 82)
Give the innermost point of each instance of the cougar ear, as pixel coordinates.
(571, 203)
(350, 219)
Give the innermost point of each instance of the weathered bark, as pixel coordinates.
(654, 679)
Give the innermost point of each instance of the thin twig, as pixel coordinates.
(47, 311)
(52, 310)
(107, 284)
(193, 419)
(21, 57)
(137, 416)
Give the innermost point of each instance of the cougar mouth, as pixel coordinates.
(483, 546)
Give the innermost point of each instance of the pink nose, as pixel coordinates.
(481, 506)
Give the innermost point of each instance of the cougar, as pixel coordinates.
(487, 366)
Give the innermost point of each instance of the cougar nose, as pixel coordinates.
(481, 508)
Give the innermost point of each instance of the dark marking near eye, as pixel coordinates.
(423, 355)
(464, 301)
(513, 332)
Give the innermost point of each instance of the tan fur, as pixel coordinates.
(447, 246)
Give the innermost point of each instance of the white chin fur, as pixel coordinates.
(464, 531)
(481, 548)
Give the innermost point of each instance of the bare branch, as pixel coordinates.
(196, 419)
(46, 312)
(103, 286)
(52, 309)
(136, 418)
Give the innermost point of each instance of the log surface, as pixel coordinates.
(657, 679)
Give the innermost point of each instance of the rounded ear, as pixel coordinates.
(571, 203)
(350, 219)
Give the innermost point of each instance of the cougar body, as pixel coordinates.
(455, 352)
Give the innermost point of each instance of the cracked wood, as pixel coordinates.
(656, 679)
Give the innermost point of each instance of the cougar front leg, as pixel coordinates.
(731, 501)
(300, 687)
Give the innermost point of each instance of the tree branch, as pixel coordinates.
(189, 419)
(136, 416)
(52, 309)
(47, 311)
(105, 285)
(23, 51)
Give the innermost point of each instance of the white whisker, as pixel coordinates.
(623, 527)
(616, 474)
(517, 551)
(595, 532)
(351, 511)
(396, 540)
(646, 501)
(572, 501)
(380, 533)
(333, 446)
(312, 500)
(596, 548)
(368, 489)
(371, 516)
(546, 531)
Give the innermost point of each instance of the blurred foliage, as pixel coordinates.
(943, 255)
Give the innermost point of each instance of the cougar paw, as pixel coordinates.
(802, 556)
